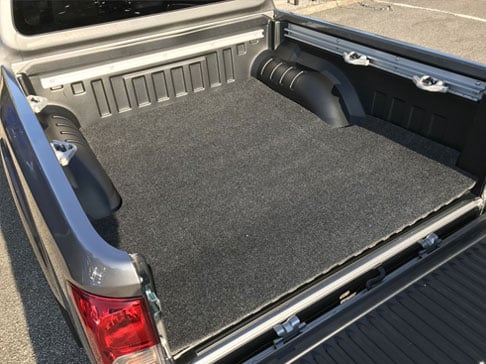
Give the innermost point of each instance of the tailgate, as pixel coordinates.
(431, 311)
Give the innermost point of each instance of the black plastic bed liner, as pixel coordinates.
(238, 196)
(434, 312)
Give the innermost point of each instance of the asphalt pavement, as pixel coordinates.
(456, 27)
(32, 329)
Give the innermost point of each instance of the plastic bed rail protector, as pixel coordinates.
(295, 305)
(154, 58)
(464, 86)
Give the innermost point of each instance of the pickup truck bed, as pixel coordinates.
(255, 196)
(193, 183)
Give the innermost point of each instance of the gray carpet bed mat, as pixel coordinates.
(238, 196)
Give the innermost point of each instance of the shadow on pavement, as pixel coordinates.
(50, 337)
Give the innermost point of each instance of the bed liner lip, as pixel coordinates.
(312, 295)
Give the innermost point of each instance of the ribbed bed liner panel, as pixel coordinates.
(239, 196)
(439, 319)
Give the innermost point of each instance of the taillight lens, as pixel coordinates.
(114, 326)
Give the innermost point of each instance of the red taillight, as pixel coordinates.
(115, 326)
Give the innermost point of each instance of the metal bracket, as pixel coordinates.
(470, 88)
(429, 244)
(153, 300)
(288, 330)
(156, 310)
(64, 151)
(37, 103)
(430, 84)
(356, 59)
(154, 306)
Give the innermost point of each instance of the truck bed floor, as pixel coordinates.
(238, 196)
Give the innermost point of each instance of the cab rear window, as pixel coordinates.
(32, 17)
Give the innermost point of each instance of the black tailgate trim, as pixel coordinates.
(434, 311)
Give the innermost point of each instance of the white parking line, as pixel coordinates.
(470, 17)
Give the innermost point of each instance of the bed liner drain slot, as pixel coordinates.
(373, 282)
